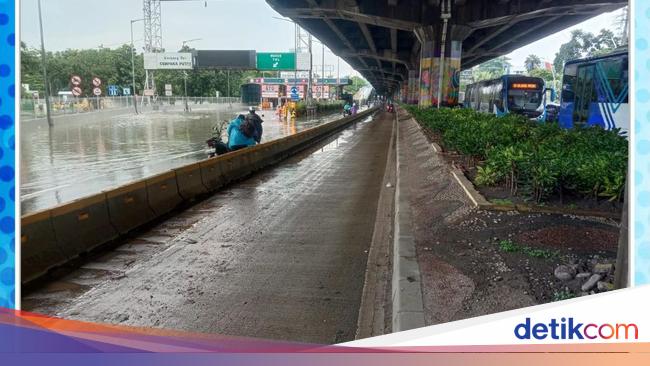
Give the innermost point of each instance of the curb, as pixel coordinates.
(478, 200)
(408, 308)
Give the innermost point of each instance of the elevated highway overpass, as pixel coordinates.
(420, 46)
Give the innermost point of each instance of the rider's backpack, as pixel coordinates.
(247, 127)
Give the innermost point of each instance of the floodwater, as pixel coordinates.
(85, 155)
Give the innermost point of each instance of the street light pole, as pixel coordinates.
(135, 100)
(311, 71)
(187, 108)
(46, 86)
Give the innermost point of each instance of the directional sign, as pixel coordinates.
(76, 91)
(75, 80)
(113, 90)
(97, 81)
(97, 91)
(276, 61)
(294, 93)
(126, 91)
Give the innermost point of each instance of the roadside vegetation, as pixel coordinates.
(321, 107)
(532, 160)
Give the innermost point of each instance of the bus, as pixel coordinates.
(518, 94)
(595, 92)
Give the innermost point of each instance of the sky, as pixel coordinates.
(93, 23)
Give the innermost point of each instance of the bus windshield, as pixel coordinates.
(527, 100)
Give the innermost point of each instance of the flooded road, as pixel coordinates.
(280, 255)
(86, 155)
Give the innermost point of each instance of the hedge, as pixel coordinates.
(533, 159)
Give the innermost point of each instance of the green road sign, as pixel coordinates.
(275, 61)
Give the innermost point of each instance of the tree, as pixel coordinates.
(585, 44)
(532, 62)
(113, 66)
(491, 69)
(357, 83)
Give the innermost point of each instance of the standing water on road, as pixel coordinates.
(83, 156)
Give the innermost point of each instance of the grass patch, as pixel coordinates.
(509, 246)
(563, 295)
(502, 201)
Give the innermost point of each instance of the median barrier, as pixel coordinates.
(128, 207)
(212, 174)
(189, 181)
(82, 225)
(162, 193)
(39, 250)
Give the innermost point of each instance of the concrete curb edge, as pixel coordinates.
(408, 308)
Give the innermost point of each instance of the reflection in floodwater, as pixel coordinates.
(84, 156)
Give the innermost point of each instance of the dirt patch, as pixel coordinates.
(578, 238)
(475, 262)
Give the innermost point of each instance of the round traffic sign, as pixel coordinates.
(75, 80)
(76, 91)
(97, 91)
(97, 81)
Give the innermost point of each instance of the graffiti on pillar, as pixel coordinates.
(414, 88)
(435, 76)
(425, 74)
(451, 80)
(425, 82)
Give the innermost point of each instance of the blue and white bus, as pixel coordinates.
(518, 94)
(595, 92)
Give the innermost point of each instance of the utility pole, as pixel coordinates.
(338, 76)
(187, 108)
(46, 85)
(135, 99)
(322, 74)
(311, 71)
(185, 42)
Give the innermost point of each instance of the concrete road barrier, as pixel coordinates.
(39, 250)
(190, 183)
(162, 193)
(52, 237)
(212, 174)
(83, 225)
(128, 206)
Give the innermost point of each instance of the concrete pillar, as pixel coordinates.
(413, 87)
(427, 57)
(440, 60)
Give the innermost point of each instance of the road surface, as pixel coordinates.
(281, 255)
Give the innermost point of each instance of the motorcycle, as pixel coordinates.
(216, 141)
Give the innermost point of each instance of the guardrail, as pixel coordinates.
(58, 235)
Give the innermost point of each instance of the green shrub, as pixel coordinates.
(531, 159)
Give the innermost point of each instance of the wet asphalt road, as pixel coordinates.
(281, 255)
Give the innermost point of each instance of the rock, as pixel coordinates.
(603, 268)
(605, 286)
(564, 273)
(591, 282)
(583, 275)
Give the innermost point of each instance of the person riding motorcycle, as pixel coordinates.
(347, 109)
(257, 121)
